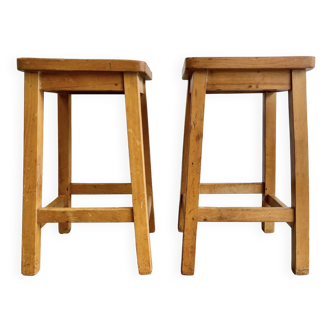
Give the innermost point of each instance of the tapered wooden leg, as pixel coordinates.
(184, 161)
(269, 150)
(32, 174)
(147, 158)
(137, 171)
(64, 140)
(299, 172)
(193, 171)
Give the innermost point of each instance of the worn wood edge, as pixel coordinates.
(100, 188)
(84, 215)
(44, 64)
(305, 62)
(245, 214)
(231, 188)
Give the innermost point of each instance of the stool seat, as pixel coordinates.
(246, 63)
(39, 64)
(265, 75)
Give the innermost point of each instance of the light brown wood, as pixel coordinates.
(147, 157)
(58, 202)
(247, 63)
(37, 64)
(137, 172)
(269, 149)
(84, 215)
(299, 172)
(184, 159)
(100, 188)
(274, 201)
(231, 188)
(193, 171)
(241, 80)
(81, 81)
(246, 214)
(32, 174)
(64, 152)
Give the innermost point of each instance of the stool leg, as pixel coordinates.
(300, 172)
(64, 141)
(193, 171)
(147, 158)
(137, 172)
(184, 161)
(269, 150)
(32, 174)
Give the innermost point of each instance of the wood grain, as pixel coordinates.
(184, 160)
(231, 188)
(255, 80)
(269, 149)
(245, 214)
(84, 215)
(137, 172)
(64, 152)
(58, 202)
(32, 173)
(193, 171)
(299, 172)
(147, 156)
(82, 81)
(100, 188)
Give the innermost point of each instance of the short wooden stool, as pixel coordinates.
(67, 77)
(235, 75)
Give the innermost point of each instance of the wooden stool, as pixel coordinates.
(67, 77)
(236, 75)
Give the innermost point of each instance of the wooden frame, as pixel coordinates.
(237, 75)
(66, 77)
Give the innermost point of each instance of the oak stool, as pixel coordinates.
(67, 77)
(266, 75)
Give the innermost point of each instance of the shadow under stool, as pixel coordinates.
(266, 75)
(66, 77)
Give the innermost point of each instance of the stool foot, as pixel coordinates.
(65, 228)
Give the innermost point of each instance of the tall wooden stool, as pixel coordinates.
(67, 77)
(235, 75)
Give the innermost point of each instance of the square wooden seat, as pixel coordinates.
(266, 75)
(66, 77)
